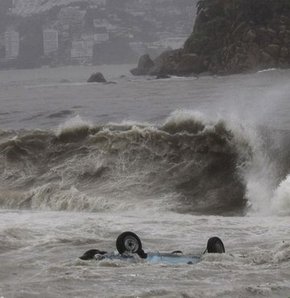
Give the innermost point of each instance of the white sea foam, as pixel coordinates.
(182, 115)
(267, 70)
(73, 124)
(280, 203)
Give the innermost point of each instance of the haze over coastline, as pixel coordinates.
(38, 32)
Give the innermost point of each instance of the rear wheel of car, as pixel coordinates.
(128, 242)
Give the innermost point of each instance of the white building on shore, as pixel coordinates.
(50, 41)
(82, 50)
(11, 44)
(101, 37)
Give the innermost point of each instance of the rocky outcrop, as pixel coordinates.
(232, 36)
(162, 76)
(169, 63)
(145, 64)
(97, 78)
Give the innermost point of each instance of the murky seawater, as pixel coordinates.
(176, 161)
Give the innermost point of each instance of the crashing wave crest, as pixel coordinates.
(189, 164)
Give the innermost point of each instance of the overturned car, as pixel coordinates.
(129, 247)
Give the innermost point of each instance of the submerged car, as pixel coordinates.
(129, 247)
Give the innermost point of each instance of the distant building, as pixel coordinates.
(82, 50)
(101, 34)
(71, 17)
(2, 46)
(50, 41)
(11, 44)
(101, 37)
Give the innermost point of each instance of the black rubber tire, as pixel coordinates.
(215, 245)
(128, 242)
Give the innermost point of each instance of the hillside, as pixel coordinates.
(232, 36)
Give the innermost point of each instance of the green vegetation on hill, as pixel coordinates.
(232, 36)
(239, 35)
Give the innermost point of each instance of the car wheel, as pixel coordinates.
(128, 242)
(215, 245)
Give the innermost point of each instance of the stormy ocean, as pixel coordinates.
(176, 161)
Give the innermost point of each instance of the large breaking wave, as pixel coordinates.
(187, 164)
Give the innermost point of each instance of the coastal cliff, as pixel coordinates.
(231, 36)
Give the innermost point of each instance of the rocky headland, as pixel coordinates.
(229, 36)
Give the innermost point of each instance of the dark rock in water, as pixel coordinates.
(162, 76)
(97, 78)
(145, 64)
(229, 37)
(178, 63)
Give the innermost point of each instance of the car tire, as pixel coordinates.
(128, 242)
(215, 245)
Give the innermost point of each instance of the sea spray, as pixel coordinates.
(255, 166)
(73, 129)
(280, 203)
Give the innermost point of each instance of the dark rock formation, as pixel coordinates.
(162, 76)
(145, 64)
(97, 78)
(231, 36)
